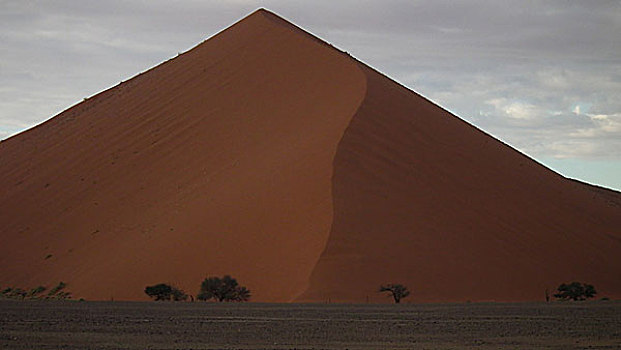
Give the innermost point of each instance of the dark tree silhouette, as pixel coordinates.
(178, 294)
(243, 294)
(398, 291)
(222, 289)
(575, 291)
(163, 291)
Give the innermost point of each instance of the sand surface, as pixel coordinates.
(269, 155)
(216, 162)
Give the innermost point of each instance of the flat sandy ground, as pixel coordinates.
(161, 325)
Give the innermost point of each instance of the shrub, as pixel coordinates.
(223, 289)
(34, 292)
(575, 291)
(398, 291)
(163, 291)
(57, 292)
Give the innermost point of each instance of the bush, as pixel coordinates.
(178, 295)
(575, 291)
(56, 290)
(34, 292)
(223, 289)
(55, 293)
(164, 291)
(398, 291)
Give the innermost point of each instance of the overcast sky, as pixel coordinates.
(542, 76)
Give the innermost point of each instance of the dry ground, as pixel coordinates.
(161, 325)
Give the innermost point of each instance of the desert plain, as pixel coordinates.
(167, 325)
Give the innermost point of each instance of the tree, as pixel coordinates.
(178, 295)
(243, 294)
(163, 291)
(575, 291)
(223, 289)
(398, 291)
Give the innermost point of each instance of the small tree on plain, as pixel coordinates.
(222, 289)
(243, 294)
(398, 291)
(163, 291)
(178, 295)
(575, 291)
(159, 291)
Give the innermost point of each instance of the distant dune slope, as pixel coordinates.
(267, 154)
(218, 161)
(424, 199)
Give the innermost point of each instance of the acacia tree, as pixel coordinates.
(223, 289)
(398, 291)
(164, 291)
(575, 291)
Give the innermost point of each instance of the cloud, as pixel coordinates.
(514, 109)
(537, 106)
(607, 124)
(544, 77)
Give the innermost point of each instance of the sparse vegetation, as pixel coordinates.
(178, 295)
(58, 292)
(14, 293)
(165, 292)
(575, 291)
(36, 292)
(17, 293)
(398, 291)
(223, 289)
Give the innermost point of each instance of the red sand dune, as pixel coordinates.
(269, 155)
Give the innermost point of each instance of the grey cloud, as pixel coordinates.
(540, 59)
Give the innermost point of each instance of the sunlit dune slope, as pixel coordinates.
(216, 162)
(269, 155)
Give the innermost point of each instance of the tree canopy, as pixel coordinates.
(398, 291)
(223, 289)
(575, 291)
(163, 291)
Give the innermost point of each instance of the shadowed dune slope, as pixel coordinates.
(216, 162)
(424, 199)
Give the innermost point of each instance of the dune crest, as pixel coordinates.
(267, 154)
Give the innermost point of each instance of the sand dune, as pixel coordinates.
(269, 155)
(218, 161)
(424, 199)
